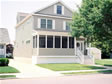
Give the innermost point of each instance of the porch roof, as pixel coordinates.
(4, 36)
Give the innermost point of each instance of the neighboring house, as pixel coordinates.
(4, 40)
(44, 37)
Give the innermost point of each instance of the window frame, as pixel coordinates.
(59, 11)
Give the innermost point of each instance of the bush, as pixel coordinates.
(4, 61)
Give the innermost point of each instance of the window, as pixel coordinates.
(71, 42)
(1, 47)
(49, 41)
(57, 41)
(49, 24)
(59, 9)
(67, 26)
(42, 41)
(43, 23)
(46, 24)
(64, 42)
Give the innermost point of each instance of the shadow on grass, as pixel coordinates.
(105, 72)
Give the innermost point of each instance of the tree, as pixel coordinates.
(94, 22)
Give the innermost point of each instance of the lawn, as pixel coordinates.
(68, 67)
(105, 62)
(90, 72)
(8, 69)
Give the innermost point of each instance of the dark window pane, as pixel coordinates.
(49, 24)
(42, 41)
(57, 41)
(59, 9)
(1, 46)
(43, 23)
(64, 42)
(49, 41)
(71, 42)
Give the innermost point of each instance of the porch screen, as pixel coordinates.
(49, 41)
(71, 42)
(42, 41)
(57, 41)
(64, 42)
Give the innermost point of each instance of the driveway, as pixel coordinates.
(77, 79)
(29, 70)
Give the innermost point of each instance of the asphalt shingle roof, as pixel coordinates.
(4, 35)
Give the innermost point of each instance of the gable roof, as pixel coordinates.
(52, 5)
(4, 35)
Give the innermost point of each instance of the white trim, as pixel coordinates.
(64, 25)
(53, 24)
(55, 7)
(68, 42)
(39, 22)
(62, 10)
(53, 41)
(53, 16)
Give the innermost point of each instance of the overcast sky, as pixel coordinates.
(9, 9)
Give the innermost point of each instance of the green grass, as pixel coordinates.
(104, 62)
(7, 76)
(90, 72)
(68, 67)
(8, 69)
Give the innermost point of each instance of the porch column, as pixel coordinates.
(38, 44)
(46, 41)
(53, 41)
(5, 50)
(60, 41)
(75, 45)
(68, 42)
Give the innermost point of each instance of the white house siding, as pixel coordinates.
(23, 34)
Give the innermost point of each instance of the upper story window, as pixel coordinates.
(67, 26)
(46, 23)
(59, 9)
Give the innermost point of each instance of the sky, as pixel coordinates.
(10, 8)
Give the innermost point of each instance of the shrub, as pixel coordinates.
(4, 61)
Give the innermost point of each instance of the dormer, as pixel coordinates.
(57, 9)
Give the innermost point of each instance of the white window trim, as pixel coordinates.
(55, 7)
(53, 23)
(64, 25)
(39, 22)
(62, 10)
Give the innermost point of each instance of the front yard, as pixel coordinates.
(68, 67)
(8, 69)
(104, 62)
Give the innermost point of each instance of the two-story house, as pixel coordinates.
(44, 36)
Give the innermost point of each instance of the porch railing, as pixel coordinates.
(80, 55)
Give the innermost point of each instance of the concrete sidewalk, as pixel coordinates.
(30, 70)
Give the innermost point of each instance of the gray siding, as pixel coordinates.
(50, 10)
(56, 52)
(58, 23)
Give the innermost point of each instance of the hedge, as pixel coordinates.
(4, 61)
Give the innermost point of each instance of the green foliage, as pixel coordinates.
(4, 61)
(94, 22)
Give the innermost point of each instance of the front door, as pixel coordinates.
(80, 46)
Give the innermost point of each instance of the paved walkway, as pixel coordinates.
(30, 70)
